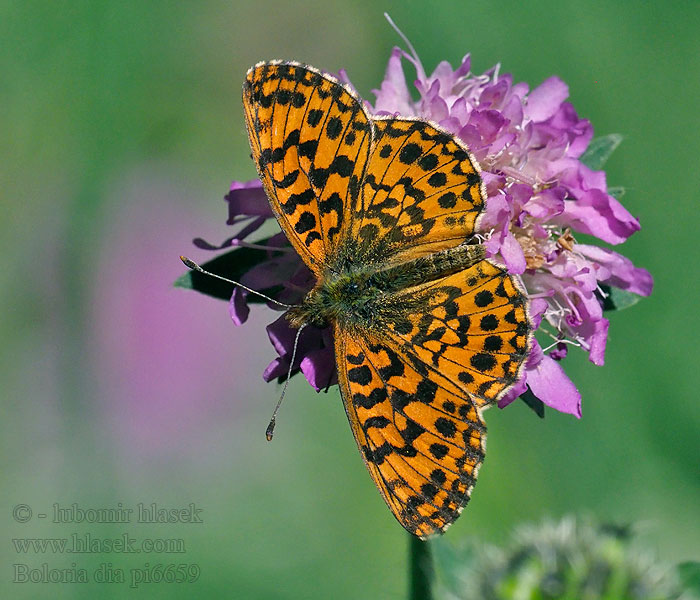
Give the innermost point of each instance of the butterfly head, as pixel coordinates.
(350, 297)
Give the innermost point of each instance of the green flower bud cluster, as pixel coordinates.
(566, 560)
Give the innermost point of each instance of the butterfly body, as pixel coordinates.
(427, 331)
(368, 295)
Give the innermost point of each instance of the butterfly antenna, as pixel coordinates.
(404, 38)
(271, 427)
(190, 264)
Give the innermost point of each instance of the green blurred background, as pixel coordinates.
(121, 128)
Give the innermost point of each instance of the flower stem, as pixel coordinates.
(422, 571)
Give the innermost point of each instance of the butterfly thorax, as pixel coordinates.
(366, 295)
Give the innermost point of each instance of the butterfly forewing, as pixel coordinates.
(310, 138)
(421, 192)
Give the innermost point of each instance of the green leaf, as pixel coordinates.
(689, 574)
(533, 402)
(617, 299)
(599, 151)
(232, 265)
(616, 191)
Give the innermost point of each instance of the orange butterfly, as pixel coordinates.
(428, 332)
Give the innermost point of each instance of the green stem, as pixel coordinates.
(422, 570)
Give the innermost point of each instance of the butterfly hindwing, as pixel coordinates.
(472, 327)
(310, 138)
(421, 437)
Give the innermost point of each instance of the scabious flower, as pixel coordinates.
(533, 150)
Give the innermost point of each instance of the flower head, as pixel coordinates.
(535, 156)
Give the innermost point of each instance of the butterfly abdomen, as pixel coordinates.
(430, 267)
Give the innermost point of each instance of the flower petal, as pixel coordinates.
(512, 394)
(544, 101)
(512, 254)
(616, 270)
(547, 204)
(238, 307)
(598, 339)
(247, 198)
(537, 308)
(549, 383)
(276, 368)
(314, 354)
(559, 352)
(282, 336)
(601, 215)
(393, 95)
(318, 366)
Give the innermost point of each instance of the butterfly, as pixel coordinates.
(427, 331)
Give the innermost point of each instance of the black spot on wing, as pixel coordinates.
(313, 118)
(355, 359)
(295, 200)
(448, 200)
(489, 322)
(493, 343)
(428, 162)
(378, 422)
(483, 298)
(360, 375)
(308, 149)
(288, 180)
(410, 153)
(465, 377)
(437, 180)
(342, 165)
(438, 451)
(438, 476)
(334, 128)
(483, 362)
(311, 237)
(376, 396)
(333, 203)
(306, 222)
(385, 151)
(445, 427)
